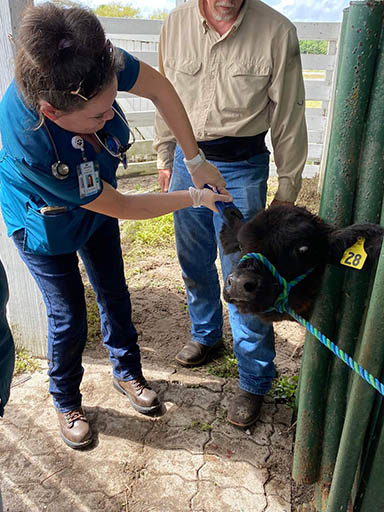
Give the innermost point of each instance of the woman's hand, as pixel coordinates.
(208, 198)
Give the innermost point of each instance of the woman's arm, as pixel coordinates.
(156, 87)
(146, 206)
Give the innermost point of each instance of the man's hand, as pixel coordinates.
(207, 174)
(204, 173)
(164, 178)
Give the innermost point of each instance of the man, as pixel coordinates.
(236, 66)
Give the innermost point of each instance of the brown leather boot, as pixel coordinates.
(74, 428)
(244, 408)
(194, 353)
(142, 397)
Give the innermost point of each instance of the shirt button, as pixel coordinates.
(199, 134)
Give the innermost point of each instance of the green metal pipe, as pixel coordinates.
(362, 398)
(352, 95)
(370, 495)
(369, 193)
(351, 102)
(313, 383)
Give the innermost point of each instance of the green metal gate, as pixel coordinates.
(340, 440)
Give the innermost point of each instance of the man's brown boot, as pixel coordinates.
(142, 397)
(194, 353)
(74, 428)
(244, 408)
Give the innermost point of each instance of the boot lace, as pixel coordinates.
(140, 384)
(72, 416)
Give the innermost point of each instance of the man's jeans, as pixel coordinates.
(197, 238)
(59, 280)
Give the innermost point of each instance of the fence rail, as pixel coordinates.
(141, 38)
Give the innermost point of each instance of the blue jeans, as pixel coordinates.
(197, 238)
(59, 280)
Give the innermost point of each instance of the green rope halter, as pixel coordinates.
(281, 305)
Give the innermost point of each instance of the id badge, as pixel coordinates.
(89, 179)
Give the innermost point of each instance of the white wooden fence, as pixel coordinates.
(140, 37)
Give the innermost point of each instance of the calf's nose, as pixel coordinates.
(241, 284)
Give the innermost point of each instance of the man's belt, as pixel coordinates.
(233, 149)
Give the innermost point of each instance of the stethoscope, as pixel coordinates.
(60, 170)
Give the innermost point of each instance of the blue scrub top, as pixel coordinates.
(27, 183)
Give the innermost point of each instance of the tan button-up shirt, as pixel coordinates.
(239, 84)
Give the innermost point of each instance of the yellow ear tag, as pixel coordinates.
(355, 256)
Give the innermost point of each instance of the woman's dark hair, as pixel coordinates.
(62, 56)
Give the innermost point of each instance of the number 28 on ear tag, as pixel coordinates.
(355, 256)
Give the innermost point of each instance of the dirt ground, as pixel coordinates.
(189, 453)
(160, 312)
(159, 302)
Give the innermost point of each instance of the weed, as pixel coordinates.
(225, 367)
(284, 390)
(24, 362)
(221, 415)
(202, 426)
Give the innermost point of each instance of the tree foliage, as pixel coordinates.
(68, 3)
(117, 10)
(314, 47)
(159, 14)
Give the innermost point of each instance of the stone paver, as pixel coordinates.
(187, 459)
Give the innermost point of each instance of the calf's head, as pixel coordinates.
(296, 242)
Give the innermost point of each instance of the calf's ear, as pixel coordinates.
(342, 239)
(233, 220)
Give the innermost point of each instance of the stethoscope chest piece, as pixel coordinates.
(60, 170)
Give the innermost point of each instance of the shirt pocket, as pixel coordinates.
(184, 75)
(246, 86)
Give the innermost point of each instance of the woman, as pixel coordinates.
(63, 137)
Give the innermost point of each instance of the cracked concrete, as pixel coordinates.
(186, 459)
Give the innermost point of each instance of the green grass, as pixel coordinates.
(24, 362)
(144, 241)
(156, 232)
(94, 336)
(201, 426)
(224, 365)
(284, 390)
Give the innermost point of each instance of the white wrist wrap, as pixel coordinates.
(196, 196)
(195, 162)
